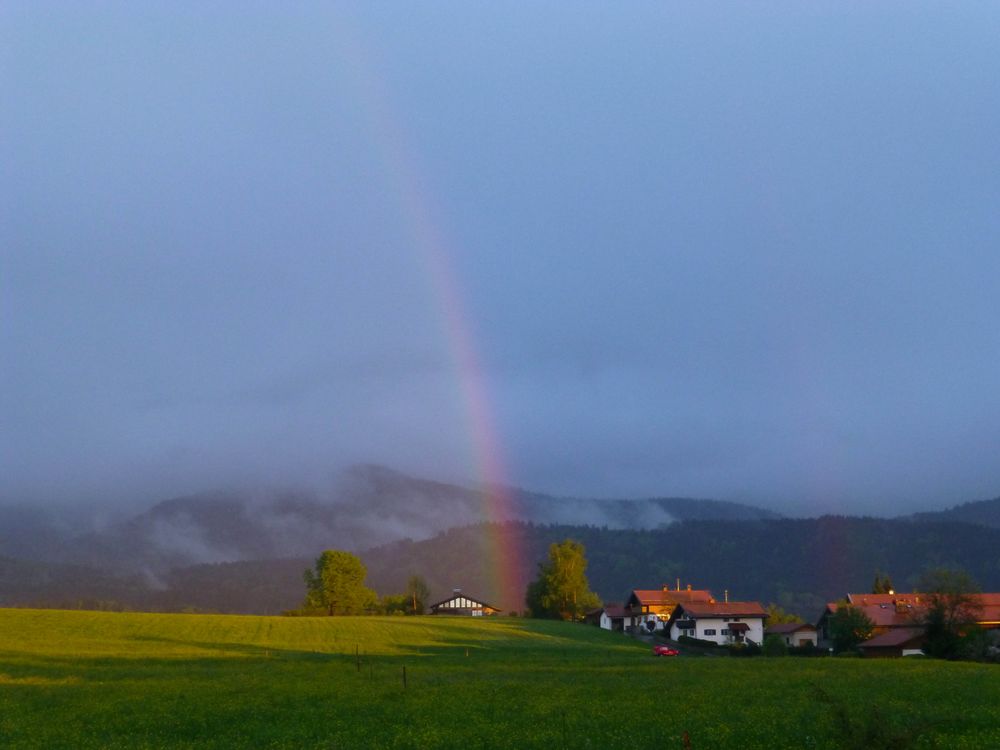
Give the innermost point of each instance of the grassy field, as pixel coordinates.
(91, 679)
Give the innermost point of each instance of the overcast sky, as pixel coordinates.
(748, 251)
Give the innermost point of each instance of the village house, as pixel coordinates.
(897, 642)
(900, 614)
(650, 609)
(794, 634)
(721, 622)
(609, 617)
(460, 604)
(886, 611)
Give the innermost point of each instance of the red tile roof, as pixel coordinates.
(896, 637)
(615, 610)
(903, 609)
(789, 627)
(663, 597)
(879, 599)
(884, 614)
(722, 609)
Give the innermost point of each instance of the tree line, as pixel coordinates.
(335, 585)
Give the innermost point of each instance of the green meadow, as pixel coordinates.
(110, 680)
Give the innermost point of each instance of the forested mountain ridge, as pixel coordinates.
(798, 563)
(245, 552)
(981, 512)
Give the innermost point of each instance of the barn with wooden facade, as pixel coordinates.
(461, 604)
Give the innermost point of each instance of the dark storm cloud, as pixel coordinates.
(725, 252)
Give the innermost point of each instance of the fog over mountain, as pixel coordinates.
(244, 551)
(369, 506)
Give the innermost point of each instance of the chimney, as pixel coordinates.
(689, 587)
(678, 584)
(726, 595)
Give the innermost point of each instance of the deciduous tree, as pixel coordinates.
(952, 610)
(336, 585)
(849, 626)
(395, 604)
(417, 593)
(776, 615)
(561, 590)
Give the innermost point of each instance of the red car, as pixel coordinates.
(665, 651)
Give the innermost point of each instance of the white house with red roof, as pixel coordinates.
(650, 609)
(721, 622)
(886, 611)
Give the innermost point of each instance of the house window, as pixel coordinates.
(725, 631)
(709, 631)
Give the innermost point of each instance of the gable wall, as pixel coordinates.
(718, 624)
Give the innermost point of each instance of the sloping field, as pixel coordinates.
(89, 679)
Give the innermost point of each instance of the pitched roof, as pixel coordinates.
(459, 595)
(721, 609)
(885, 610)
(879, 599)
(782, 628)
(611, 610)
(664, 596)
(895, 637)
(615, 610)
(900, 610)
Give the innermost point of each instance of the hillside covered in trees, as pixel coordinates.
(797, 563)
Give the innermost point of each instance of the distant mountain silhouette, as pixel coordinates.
(245, 551)
(797, 563)
(982, 512)
(26, 583)
(369, 506)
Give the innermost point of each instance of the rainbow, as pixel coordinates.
(504, 557)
